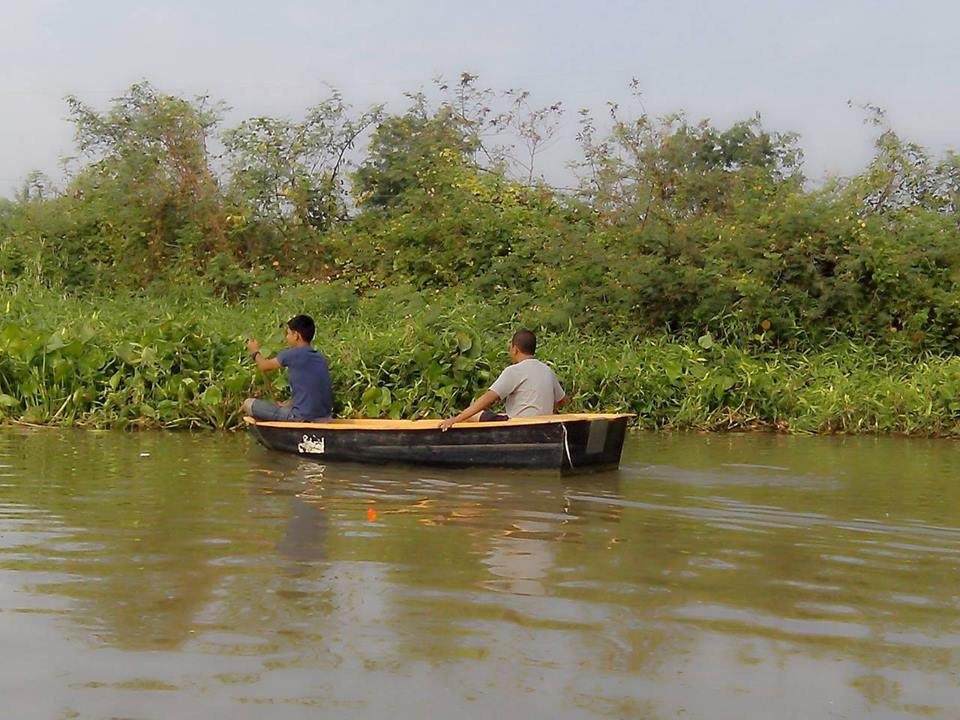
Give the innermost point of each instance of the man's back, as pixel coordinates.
(311, 395)
(528, 388)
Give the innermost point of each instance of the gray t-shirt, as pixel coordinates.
(528, 388)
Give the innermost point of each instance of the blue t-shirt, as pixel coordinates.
(309, 379)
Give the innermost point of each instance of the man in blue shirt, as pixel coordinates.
(311, 397)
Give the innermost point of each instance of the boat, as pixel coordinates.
(567, 442)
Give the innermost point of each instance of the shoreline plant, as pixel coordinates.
(140, 361)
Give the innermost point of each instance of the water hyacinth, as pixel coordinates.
(140, 362)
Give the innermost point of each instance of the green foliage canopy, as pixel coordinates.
(676, 227)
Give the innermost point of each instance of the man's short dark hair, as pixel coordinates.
(304, 325)
(525, 341)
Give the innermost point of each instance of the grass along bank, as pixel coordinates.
(140, 361)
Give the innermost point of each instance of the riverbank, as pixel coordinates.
(179, 361)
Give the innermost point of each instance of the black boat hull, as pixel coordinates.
(578, 443)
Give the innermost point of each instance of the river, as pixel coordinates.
(162, 575)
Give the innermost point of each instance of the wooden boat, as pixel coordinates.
(567, 442)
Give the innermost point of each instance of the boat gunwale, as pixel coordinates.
(432, 424)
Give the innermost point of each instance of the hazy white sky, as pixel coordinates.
(797, 62)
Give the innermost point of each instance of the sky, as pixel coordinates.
(795, 62)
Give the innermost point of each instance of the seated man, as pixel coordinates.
(311, 397)
(528, 387)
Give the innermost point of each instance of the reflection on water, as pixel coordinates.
(200, 576)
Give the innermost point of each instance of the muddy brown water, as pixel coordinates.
(723, 576)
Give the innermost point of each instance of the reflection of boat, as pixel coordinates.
(560, 442)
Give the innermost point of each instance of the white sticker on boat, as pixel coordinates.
(311, 445)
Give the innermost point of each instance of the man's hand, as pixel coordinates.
(446, 424)
(253, 346)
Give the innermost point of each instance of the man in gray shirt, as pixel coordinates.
(528, 387)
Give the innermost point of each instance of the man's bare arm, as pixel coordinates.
(479, 405)
(264, 363)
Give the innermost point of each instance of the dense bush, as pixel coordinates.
(180, 361)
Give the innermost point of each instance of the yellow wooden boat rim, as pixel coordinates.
(433, 424)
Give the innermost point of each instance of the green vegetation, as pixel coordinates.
(694, 276)
(142, 361)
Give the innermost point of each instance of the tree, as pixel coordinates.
(292, 173)
(903, 175)
(418, 149)
(149, 180)
(667, 169)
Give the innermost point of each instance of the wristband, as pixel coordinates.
(254, 354)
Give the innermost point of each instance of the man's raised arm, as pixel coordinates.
(264, 363)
